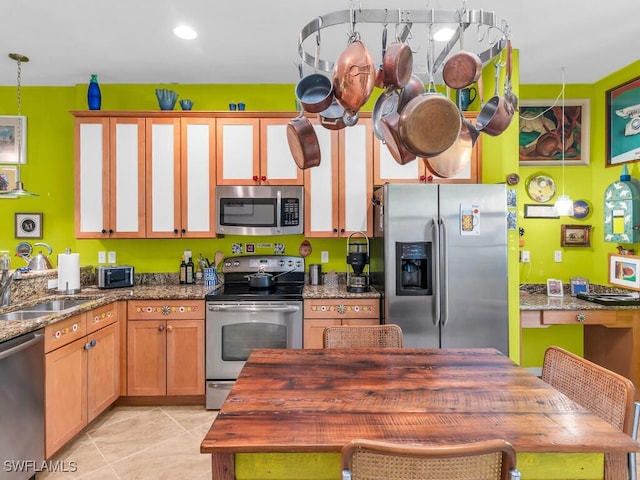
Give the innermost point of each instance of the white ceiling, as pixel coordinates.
(255, 41)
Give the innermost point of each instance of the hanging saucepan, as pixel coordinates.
(303, 142)
(429, 124)
(333, 117)
(314, 92)
(397, 64)
(379, 79)
(495, 116)
(411, 90)
(391, 136)
(458, 156)
(462, 68)
(353, 77)
(387, 103)
(262, 279)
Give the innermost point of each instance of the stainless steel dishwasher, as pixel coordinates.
(22, 405)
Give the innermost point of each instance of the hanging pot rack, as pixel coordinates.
(405, 20)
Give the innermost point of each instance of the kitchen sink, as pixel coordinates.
(21, 315)
(57, 305)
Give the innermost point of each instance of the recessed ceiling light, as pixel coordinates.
(444, 34)
(185, 32)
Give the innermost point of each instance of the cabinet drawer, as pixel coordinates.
(577, 317)
(65, 331)
(530, 319)
(165, 309)
(101, 317)
(342, 308)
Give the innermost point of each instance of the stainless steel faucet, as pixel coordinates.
(6, 278)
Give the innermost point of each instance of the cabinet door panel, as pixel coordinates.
(92, 190)
(146, 353)
(103, 370)
(65, 394)
(321, 188)
(198, 177)
(277, 163)
(356, 178)
(314, 331)
(388, 170)
(237, 150)
(127, 177)
(163, 177)
(185, 357)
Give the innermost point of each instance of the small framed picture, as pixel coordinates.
(579, 285)
(13, 139)
(554, 287)
(623, 123)
(623, 271)
(8, 179)
(540, 211)
(28, 225)
(575, 236)
(250, 247)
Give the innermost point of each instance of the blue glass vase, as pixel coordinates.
(94, 98)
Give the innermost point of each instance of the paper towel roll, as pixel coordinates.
(68, 272)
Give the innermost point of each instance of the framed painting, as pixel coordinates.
(540, 211)
(28, 225)
(575, 236)
(13, 139)
(623, 123)
(623, 271)
(554, 288)
(540, 132)
(8, 177)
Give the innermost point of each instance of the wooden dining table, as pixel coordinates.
(291, 411)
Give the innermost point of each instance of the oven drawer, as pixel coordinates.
(165, 309)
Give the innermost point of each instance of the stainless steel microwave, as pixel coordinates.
(114, 276)
(259, 210)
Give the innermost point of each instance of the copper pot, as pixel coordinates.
(387, 103)
(397, 64)
(303, 142)
(314, 92)
(429, 124)
(411, 90)
(353, 77)
(463, 68)
(458, 156)
(391, 135)
(495, 116)
(333, 117)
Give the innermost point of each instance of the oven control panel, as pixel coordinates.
(265, 263)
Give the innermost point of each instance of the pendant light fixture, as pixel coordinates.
(564, 204)
(18, 190)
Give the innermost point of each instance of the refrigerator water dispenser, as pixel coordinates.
(413, 268)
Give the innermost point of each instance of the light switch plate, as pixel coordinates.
(111, 257)
(557, 256)
(324, 256)
(102, 257)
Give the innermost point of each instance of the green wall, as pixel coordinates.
(542, 236)
(49, 172)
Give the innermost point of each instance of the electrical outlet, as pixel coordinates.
(557, 256)
(324, 256)
(53, 283)
(112, 257)
(524, 256)
(102, 257)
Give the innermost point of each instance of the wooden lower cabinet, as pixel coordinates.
(82, 373)
(165, 348)
(322, 313)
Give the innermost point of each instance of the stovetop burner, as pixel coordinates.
(236, 284)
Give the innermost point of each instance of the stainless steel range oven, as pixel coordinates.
(240, 318)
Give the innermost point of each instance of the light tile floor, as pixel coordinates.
(138, 443)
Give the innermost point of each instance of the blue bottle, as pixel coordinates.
(94, 97)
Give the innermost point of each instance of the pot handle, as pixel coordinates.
(42, 244)
(362, 70)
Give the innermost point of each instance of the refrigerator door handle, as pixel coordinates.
(436, 276)
(445, 275)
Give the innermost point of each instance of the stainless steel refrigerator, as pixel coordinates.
(439, 256)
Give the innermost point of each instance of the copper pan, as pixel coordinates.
(462, 68)
(353, 77)
(429, 124)
(457, 157)
(303, 142)
(397, 65)
(495, 116)
(411, 90)
(389, 128)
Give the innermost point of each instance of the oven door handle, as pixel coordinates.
(240, 308)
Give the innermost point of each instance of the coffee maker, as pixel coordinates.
(358, 260)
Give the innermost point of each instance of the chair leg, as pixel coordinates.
(633, 471)
(514, 474)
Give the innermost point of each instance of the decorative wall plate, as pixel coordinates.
(581, 209)
(541, 188)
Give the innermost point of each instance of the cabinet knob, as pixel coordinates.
(110, 231)
(87, 346)
(342, 230)
(581, 317)
(103, 231)
(263, 178)
(183, 231)
(175, 230)
(161, 328)
(93, 343)
(422, 178)
(255, 178)
(335, 230)
(169, 328)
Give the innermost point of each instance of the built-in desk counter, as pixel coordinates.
(611, 333)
